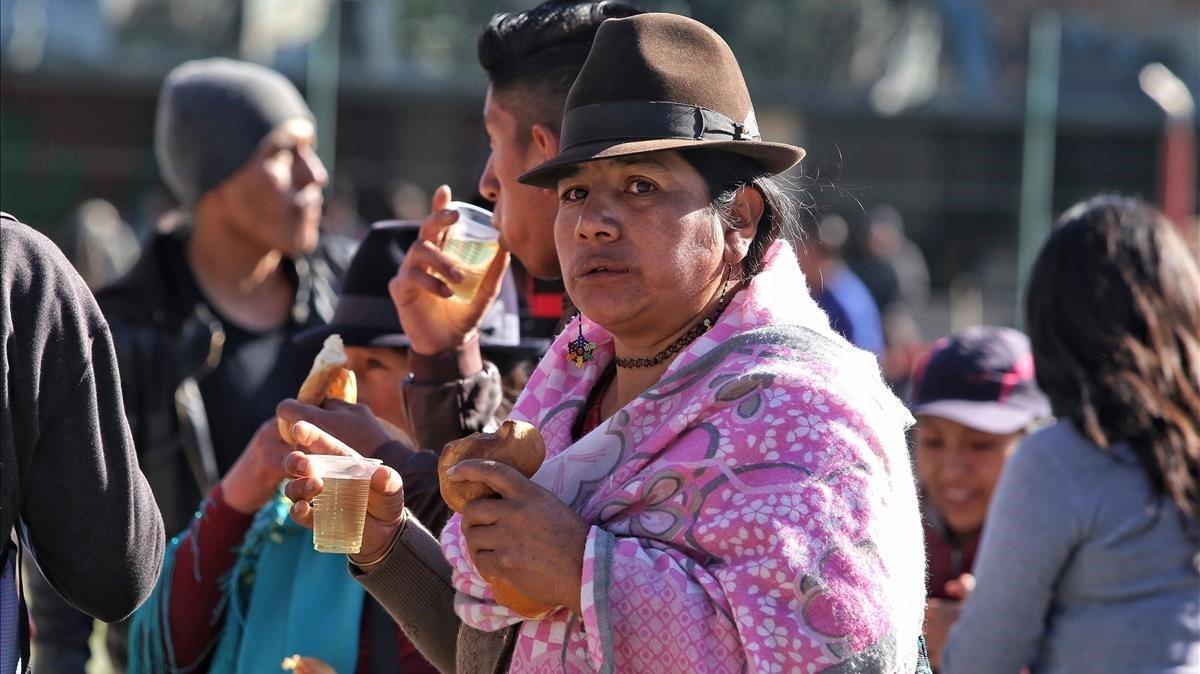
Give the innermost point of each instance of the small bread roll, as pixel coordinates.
(328, 378)
(516, 443)
(512, 598)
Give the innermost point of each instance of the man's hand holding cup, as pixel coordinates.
(432, 320)
(385, 501)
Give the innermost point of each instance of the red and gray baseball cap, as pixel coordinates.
(981, 377)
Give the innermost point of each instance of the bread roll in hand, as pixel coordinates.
(517, 444)
(329, 378)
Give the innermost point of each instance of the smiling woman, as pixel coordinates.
(727, 486)
(975, 398)
(1091, 555)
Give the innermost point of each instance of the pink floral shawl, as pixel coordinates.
(755, 510)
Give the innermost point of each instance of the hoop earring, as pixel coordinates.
(580, 350)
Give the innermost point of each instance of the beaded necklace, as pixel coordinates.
(679, 344)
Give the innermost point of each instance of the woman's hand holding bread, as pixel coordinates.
(525, 542)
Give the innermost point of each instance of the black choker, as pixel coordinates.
(679, 344)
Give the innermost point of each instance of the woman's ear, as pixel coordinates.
(744, 217)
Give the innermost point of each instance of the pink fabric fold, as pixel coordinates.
(754, 510)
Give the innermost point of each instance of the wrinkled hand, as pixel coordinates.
(355, 425)
(256, 474)
(385, 501)
(432, 321)
(528, 537)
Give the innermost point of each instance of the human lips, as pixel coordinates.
(959, 496)
(599, 268)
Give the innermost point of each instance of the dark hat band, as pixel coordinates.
(639, 120)
(366, 312)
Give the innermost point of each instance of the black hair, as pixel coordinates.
(543, 49)
(1113, 310)
(727, 172)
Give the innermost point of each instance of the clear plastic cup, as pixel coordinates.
(340, 510)
(472, 242)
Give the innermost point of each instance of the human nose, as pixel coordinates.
(310, 170)
(955, 465)
(489, 184)
(597, 220)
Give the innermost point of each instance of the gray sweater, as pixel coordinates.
(1081, 569)
(413, 584)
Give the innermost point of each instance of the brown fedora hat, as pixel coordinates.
(659, 82)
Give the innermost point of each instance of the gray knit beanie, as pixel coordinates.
(212, 116)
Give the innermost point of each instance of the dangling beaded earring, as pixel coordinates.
(721, 301)
(580, 350)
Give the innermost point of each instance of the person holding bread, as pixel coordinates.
(726, 484)
(242, 531)
(202, 323)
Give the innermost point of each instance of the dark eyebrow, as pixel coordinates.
(637, 159)
(629, 160)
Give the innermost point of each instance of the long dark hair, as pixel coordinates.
(725, 173)
(1113, 311)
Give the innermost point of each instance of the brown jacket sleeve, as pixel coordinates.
(451, 395)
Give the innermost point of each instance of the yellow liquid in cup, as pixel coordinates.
(473, 258)
(339, 512)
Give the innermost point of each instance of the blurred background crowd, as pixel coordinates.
(943, 135)
(914, 113)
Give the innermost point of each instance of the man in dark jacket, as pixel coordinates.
(204, 320)
(70, 488)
